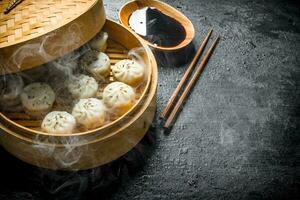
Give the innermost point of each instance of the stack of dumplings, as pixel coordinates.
(76, 92)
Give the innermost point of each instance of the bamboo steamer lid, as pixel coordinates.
(39, 31)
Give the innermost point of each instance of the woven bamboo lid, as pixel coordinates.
(39, 31)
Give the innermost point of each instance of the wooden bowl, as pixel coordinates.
(126, 11)
(37, 32)
(89, 149)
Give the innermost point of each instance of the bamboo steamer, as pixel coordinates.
(85, 150)
(39, 31)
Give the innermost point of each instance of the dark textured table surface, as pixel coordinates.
(238, 134)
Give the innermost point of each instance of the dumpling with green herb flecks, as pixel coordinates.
(99, 43)
(58, 122)
(119, 96)
(37, 99)
(129, 72)
(82, 86)
(97, 64)
(90, 113)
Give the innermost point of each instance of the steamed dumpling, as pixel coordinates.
(11, 87)
(90, 113)
(97, 64)
(82, 87)
(37, 99)
(119, 97)
(129, 72)
(99, 43)
(58, 123)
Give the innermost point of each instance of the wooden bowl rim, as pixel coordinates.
(147, 87)
(189, 34)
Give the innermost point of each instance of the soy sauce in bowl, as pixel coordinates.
(156, 27)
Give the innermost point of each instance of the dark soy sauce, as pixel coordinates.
(156, 27)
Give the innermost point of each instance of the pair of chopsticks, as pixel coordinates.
(170, 115)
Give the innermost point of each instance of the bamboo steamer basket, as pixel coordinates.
(39, 31)
(85, 150)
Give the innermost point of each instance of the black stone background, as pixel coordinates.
(237, 136)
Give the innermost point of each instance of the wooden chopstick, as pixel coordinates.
(191, 84)
(172, 99)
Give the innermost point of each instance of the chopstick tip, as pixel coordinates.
(210, 32)
(166, 128)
